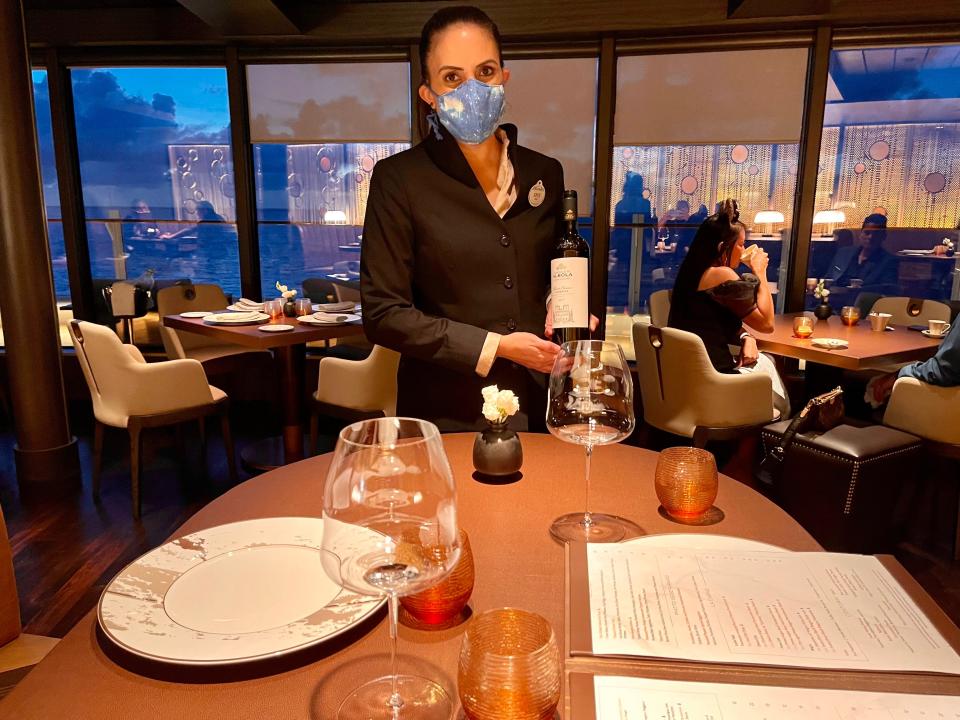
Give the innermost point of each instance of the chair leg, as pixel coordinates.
(98, 429)
(228, 443)
(314, 430)
(135, 447)
(700, 437)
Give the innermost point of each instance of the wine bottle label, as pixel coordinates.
(569, 279)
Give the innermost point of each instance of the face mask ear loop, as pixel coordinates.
(434, 122)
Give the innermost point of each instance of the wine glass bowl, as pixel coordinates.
(390, 528)
(590, 403)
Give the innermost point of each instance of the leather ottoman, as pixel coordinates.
(844, 485)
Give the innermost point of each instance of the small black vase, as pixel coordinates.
(823, 311)
(289, 308)
(497, 451)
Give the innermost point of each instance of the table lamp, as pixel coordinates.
(768, 217)
(829, 218)
(335, 217)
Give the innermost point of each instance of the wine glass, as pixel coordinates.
(589, 403)
(390, 528)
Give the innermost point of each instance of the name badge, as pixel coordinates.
(537, 194)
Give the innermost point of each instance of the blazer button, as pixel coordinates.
(505, 241)
(508, 282)
(511, 324)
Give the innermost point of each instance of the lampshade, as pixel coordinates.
(335, 217)
(768, 216)
(829, 217)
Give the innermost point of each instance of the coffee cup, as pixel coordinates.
(748, 253)
(878, 321)
(938, 327)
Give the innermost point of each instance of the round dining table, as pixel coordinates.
(518, 564)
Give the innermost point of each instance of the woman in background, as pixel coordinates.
(720, 306)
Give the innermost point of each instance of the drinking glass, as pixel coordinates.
(509, 667)
(390, 528)
(803, 326)
(850, 315)
(590, 403)
(273, 308)
(303, 307)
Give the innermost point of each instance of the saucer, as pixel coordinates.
(275, 328)
(929, 334)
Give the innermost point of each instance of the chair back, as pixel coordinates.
(619, 329)
(912, 311)
(185, 298)
(105, 362)
(319, 290)
(660, 307)
(9, 603)
(925, 410)
(345, 293)
(366, 385)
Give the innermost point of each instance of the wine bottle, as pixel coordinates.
(570, 278)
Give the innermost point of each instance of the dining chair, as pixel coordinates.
(619, 329)
(345, 293)
(134, 395)
(365, 386)
(18, 651)
(912, 311)
(684, 394)
(215, 355)
(932, 413)
(319, 290)
(660, 307)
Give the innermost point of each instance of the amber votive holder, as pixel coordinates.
(803, 326)
(686, 482)
(850, 315)
(443, 602)
(509, 667)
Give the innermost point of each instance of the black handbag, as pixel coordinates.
(820, 414)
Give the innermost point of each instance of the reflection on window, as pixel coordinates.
(674, 160)
(319, 130)
(890, 149)
(157, 174)
(51, 190)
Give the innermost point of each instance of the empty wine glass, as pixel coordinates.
(589, 403)
(390, 528)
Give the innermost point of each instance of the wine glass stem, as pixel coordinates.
(587, 519)
(396, 702)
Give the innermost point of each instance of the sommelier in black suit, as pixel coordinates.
(458, 238)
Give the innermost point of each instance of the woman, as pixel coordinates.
(711, 300)
(457, 240)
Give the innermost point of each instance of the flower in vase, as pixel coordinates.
(821, 291)
(285, 293)
(499, 404)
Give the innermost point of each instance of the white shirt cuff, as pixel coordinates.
(488, 354)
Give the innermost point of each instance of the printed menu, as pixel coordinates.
(817, 610)
(629, 698)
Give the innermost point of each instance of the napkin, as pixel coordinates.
(243, 315)
(345, 306)
(243, 302)
(329, 317)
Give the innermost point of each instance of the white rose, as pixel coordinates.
(490, 393)
(491, 412)
(289, 293)
(507, 402)
(825, 293)
(281, 288)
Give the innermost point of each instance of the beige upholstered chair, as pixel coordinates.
(179, 345)
(129, 393)
(683, 394)
(933, 414)
(359, 386)
(18, 652)
(660, 307)
(619, 329)
(909, 311)
(345, 293)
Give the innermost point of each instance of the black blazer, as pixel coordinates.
(440, 268)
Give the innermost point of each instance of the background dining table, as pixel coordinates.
(517, 564)
(289, 349)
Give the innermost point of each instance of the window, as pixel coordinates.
(157, 174)
(51, 191)
(889, 157)
(318, 131)
(691, 130)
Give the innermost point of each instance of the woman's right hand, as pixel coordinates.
(528, 350)
(758, 263)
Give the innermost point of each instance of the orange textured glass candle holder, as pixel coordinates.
(803, 326)
(443, 602)
(686, 482)
(509, 667)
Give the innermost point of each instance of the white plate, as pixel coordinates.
(929, 334)
(311, 320)
(196, 314)
(275, 328)
(236, 318)
(702, 541)
(231, 594)
(830, 343)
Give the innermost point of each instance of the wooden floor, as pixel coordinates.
(65, 550)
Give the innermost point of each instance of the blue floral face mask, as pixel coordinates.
(472, 111)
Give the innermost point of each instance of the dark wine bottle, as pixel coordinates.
(570, 278)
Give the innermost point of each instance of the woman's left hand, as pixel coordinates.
(548, 325)
(749, 352)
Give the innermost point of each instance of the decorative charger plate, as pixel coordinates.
(231, 594)
(702, 541)
(830, 343)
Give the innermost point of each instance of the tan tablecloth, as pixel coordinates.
(518, 564)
